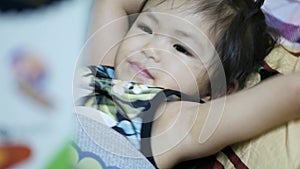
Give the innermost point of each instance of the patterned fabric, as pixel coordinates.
(128, 107)
(283, 15)
(82, 159)
(281, 60)
(95, 144)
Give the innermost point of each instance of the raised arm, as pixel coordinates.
(109, 24)
(200, 130)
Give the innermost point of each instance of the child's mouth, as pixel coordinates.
(141, 70)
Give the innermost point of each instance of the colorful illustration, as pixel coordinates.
(31, 75)
(11, 155)
(87, 160)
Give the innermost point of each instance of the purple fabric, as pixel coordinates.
(288, 31)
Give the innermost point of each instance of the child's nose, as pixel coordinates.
(155, 48)
(152, 53)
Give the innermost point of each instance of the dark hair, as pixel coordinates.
(243, 38)
(240, 35)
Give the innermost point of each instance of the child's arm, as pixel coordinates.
(246, 114)
(109, 24)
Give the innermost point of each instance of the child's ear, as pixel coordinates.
(234, 87)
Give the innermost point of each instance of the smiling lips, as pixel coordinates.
(141, 70)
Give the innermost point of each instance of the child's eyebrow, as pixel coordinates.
(149, 13)
(182, 33)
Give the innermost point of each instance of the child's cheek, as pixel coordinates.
(133, 44)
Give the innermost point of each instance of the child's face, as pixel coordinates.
(166, 48)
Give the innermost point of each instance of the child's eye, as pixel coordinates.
(182, 49)
(145, 29)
